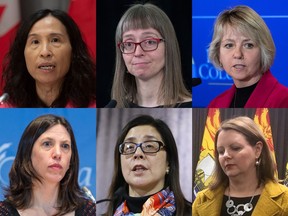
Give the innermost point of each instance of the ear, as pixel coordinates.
(258, 149)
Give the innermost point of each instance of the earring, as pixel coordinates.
(167, 171)
(258, 160)
(221, 65)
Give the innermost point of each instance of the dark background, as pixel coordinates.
(108, 15)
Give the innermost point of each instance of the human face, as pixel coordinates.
(144, 65)
(236, 156)
(48, 51)
(51, 154)
(240, 57)
(144, 173)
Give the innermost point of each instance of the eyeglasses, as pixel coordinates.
(149, 146)
(147, 45)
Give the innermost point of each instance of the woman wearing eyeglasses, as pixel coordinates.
(148, 65)
(146, 171)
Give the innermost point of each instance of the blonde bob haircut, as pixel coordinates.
(172, 89)
(253, 134)
(245, 20)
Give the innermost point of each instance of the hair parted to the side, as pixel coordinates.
(245, 20)
(171, 180)
(79, 86)
(253, 134)
(22, 173)
(124, 89)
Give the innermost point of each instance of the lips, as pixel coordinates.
(228, 165)
(139, 168)
(46, 66)
(56, 165)
(139, 63)
(239, 66)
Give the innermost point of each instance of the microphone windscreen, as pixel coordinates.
(4, 97)
(111, 104)
(196, 81)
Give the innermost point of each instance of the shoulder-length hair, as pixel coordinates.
(253, 134)
(245, 20)
(124, 89)
(79, 86)
(22, 174)
(171, 180)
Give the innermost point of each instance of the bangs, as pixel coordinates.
(139, 19)
(246, 31)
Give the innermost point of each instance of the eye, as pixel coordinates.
(55, 40)
(249, 45)
(228, 45)
(220, 152)
(46, 144)
(35, 41)
(150, 42)
(65, 146)
(236, 148)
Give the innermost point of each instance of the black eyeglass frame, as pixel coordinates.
(161, 145)
(120, 45)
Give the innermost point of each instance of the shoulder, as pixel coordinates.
(6, 105)
(7, 209)
(223, 100)
(187, 104)
(91, 105)
(275, 189)
(208, 194)
(88, 208)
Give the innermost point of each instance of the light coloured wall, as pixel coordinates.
(109, 125)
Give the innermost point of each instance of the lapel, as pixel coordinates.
(212, 205)
(270, 200)
(263, 90)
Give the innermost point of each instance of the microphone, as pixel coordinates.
(4, 97)
(88, 194)
(196, 81)
(111, 104)
(116, 195)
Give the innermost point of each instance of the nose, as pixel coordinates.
(238, 53)
(226, 154)
(138, 50)
(45, 51)
(138, 153)
(56, 152)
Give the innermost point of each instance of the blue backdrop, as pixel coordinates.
(204, 14)
(83, 121)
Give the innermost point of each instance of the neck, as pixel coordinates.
(45, 197)
(148, 92)
(243, 188)
(250, 82)
(47, 93)
(141, 192)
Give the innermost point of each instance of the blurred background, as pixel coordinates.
(204, 14)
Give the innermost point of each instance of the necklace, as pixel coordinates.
(240, 209)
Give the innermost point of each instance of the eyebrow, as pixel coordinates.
(245, 40)
(50, 34)
(145, 137)
(143, 34)
(52, 139)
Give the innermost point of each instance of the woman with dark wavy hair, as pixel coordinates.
(44, 174)
(146, 179)
(49, 64)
